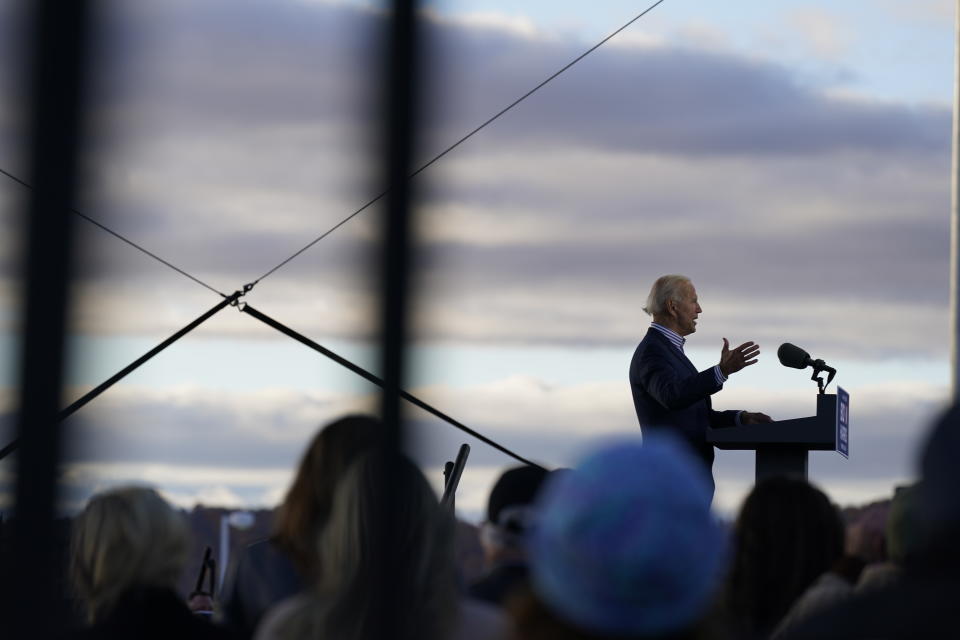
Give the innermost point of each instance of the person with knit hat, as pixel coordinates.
(625, 546)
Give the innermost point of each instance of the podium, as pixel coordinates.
(783, 447)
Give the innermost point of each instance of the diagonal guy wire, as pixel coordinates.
(462, 140)
(363, 373)
(127, 240)
(93, 393)
(371, 202)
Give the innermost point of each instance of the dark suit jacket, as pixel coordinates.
(669, 392)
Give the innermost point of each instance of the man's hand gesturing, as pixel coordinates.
(732, 360)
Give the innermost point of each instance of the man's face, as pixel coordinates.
(686, 310)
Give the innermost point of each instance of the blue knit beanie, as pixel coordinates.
(626, 543)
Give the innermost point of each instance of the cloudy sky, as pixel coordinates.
(792, 158)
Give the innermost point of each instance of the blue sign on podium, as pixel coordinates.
(843, 422)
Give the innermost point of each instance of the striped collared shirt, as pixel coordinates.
(678, 341)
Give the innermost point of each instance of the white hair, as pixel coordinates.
(666, 288)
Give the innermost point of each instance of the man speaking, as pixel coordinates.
(668, 391)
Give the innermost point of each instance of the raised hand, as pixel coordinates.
(732, 360)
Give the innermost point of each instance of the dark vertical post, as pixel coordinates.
(32, 575)
(955, 220)
(400, 117)
(401, 122)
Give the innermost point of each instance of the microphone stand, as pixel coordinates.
(820, 367)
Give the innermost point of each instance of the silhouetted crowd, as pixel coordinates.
(623, 546)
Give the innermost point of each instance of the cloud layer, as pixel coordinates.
(224, 136)
(228, 135)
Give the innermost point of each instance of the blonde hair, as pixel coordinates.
(352, 555)
(125, 538)
(666, 288)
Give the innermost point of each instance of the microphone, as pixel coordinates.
(792, 356)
